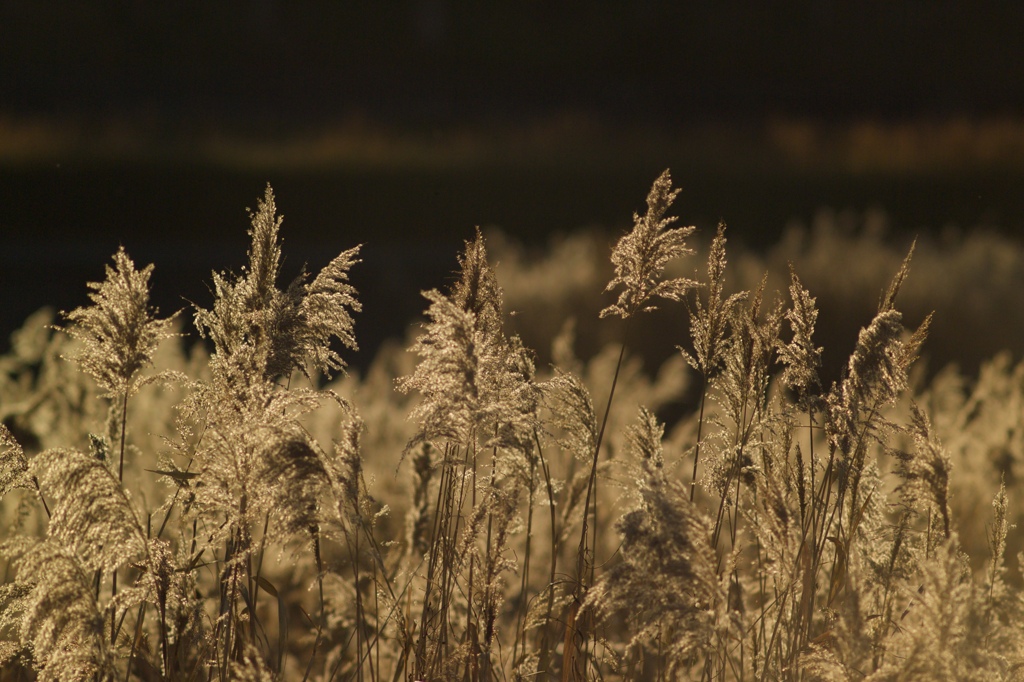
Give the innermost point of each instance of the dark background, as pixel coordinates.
(274, 65)
(402, 125)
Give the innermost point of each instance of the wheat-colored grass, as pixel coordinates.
(463, 511)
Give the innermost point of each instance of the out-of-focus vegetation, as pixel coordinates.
(921, 146)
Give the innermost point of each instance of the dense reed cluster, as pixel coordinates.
(228, 510)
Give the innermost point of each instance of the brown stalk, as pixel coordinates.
(581, 552)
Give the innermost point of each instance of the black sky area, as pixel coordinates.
(176, 75)
(273, 64)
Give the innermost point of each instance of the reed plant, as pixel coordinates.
(244, 508)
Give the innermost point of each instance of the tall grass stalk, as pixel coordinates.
(301, 538)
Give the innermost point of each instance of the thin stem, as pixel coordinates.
(696, 447)
(359, 609)
(138, 631)
(255, 587)
(120, 479)
(544, 647)
(592, 480)
(581, 552)
(435, 546)
(320, 582)
(124, 428)
(525, 583)
(39, 491)
(376, 620)
(470, 630)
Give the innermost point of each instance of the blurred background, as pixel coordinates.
(403, 125)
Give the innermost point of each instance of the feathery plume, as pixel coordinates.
(345, 471)
(667, 581)
(119, 332)
(451, 356)
(750, 347)
(642, 254)
(61, 619)
(266, 332)
(926, 473)
(875, 376)
(299, 479)
(644, 439)
(877, 371)
(939, 637)
(569, 399)
(708, 321)
(469, 373)
(1000, 528)
(13, 465)
(325, 313)
(477, 290)
(265, 252)
(92, 517)
(802, 359)
(417, 519)
(888, 299)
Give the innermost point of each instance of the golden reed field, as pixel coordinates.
(652, 459)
